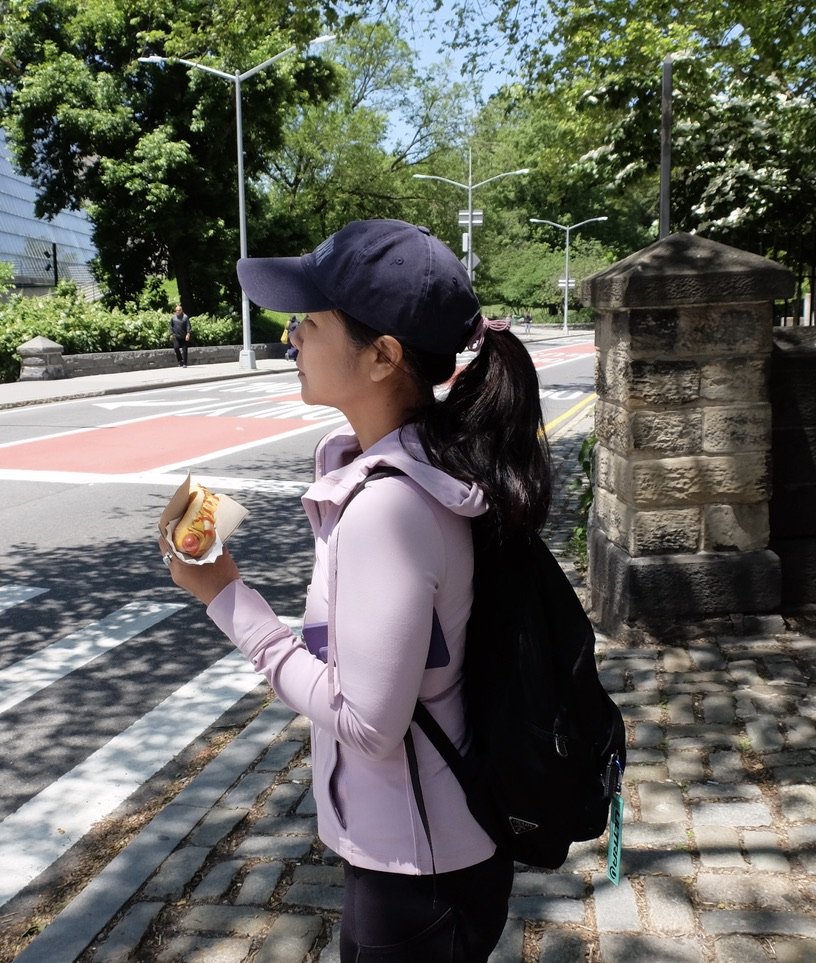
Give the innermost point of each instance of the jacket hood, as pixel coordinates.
(341, 466)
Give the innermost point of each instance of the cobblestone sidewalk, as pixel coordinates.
(719, 858)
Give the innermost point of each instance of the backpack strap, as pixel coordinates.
(439, 739)
(421, 716)
(413, 769)
(383, 471)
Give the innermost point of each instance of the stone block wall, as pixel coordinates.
(111, 362)
(43, 359)
(793, 505)
(680, 527)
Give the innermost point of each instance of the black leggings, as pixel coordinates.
(395, 918)
(180, 347)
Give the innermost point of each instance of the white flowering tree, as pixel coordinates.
(744, 117)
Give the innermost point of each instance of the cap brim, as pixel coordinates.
(280, 283)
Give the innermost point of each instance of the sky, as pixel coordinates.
(431, 34)
(428, 35)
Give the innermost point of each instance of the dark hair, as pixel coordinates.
(488, 429)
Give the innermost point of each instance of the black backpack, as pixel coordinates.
(548, 744)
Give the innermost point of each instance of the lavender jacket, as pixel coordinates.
(385, 621)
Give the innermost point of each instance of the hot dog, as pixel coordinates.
(195, 532)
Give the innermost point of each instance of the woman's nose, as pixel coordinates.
(295, 338)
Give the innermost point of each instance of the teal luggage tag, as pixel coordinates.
(613, 856)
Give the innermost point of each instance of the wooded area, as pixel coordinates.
(148, 149)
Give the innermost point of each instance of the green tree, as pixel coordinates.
(744, 118)
(6, 278)
(149, 149)
(341, 160)
(527, 276)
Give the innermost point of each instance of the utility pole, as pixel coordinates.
(52, 265)
(665, 148)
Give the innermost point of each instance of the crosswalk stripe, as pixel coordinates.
(154, 480)
(50, 823)
(29, 675)
(12, 594)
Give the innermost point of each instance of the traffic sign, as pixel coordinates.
(477, 218)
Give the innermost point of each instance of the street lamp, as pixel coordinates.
(567, 229)
(246, 359)
(470, 187)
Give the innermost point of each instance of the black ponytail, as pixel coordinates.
(488, 429)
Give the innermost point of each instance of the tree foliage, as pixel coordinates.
(150, 149)
(743, 117)
(82, 327)
(341, 159)
(744, 79)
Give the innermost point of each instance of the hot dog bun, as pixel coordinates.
(195, 532)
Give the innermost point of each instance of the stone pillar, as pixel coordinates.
(679, 533)
(41, 360)
(793, 506)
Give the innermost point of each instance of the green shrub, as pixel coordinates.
(586, 493)
(6, 277)
(267, 326)
(82, 327)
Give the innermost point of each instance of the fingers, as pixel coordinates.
(202, 581)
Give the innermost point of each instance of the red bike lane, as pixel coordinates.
(195, 430)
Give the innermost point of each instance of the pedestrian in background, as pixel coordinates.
(390, 307)
(180, 331)
(291, 327)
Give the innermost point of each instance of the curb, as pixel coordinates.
(73, 930)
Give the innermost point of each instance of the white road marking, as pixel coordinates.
(543, 365)
(561, 395)
(155, 479)
(49, 824)
(269, 439)
(28, 676)
(11, 594)
(115, 405)
(313, 417)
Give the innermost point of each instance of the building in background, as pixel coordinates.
(41, 250)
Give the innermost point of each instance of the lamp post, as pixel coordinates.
(246, 358)
(470, 187)
(567, 229)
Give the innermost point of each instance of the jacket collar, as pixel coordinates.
(340, 465)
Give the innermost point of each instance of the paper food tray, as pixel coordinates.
(228, 516)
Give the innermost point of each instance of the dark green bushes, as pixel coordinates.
(585, 494)
(82, 327)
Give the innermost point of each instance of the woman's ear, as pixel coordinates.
(388, 357)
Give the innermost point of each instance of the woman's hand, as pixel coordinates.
(202, 581)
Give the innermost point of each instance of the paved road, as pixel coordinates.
(100, 688)
(719, 859)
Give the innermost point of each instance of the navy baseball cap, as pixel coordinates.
(392, 276)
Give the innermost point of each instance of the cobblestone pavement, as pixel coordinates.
(719, 860)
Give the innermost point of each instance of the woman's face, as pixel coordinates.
(329, 364)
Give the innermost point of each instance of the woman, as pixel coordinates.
(389, 307)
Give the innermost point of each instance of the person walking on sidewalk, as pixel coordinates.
(180, 331)
(389, 308)
(291, 327)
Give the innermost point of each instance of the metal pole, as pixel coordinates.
(246, 358)
(470, 217)
(665, 148)
(566, 282)
(470, 187)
